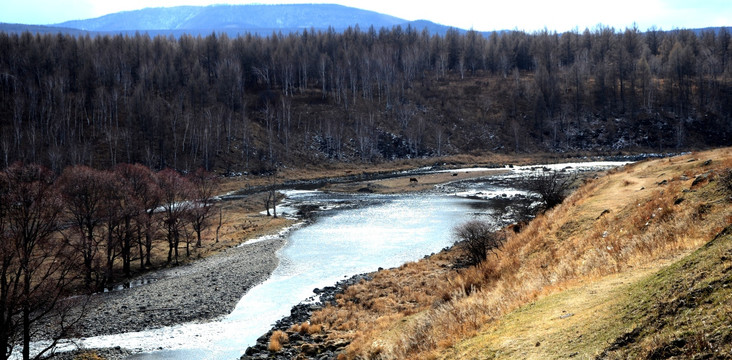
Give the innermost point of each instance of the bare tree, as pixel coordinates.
(272, 194)
(36, 264)
(218, 227)
(143, 185)
(204, 187)
(175, 191)
(82, 189)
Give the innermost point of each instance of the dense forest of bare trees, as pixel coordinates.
(68, 234)
(247, 103)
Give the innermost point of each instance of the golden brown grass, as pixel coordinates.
(277, 339)
(367, 308)
(396, 316)
(88, 355)
(306, 328)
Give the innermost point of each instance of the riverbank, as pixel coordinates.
(300, 334)
(199, 291)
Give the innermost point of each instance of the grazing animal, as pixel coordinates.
(454, 174)
(413, 180)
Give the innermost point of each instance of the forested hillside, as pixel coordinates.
(254, 103)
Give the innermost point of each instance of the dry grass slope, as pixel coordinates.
(634, 218)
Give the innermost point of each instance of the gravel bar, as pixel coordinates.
(202, 290)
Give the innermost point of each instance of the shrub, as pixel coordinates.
(552, 187)
(478, 239)
(315, 329)
(278, 338)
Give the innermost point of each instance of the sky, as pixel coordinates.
(486, 15)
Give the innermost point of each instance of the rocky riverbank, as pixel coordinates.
(203, 290)
(302, 342)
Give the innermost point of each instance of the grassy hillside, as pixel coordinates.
(578, 280)
(683, 310)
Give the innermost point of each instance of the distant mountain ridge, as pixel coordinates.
(234, 20)
(239, 19)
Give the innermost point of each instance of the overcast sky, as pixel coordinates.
(529, 15)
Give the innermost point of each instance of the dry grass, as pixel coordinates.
(367, 308)
(278, 338)
(396, 316)
(88, 355)
(306, 328)
(593, 319)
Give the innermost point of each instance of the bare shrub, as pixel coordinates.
(478, 239)
(552, 187)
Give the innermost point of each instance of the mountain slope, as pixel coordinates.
(237, 16)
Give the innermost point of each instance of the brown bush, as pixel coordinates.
(276, 340)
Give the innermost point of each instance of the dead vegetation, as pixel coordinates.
(278, 338)
(630, 218)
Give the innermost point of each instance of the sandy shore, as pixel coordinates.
(203, 290)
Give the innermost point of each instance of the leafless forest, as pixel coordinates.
(251, 103)
(81, 231)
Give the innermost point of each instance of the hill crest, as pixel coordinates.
(286, 16)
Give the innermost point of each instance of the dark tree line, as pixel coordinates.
(245, 103)
(62, 234)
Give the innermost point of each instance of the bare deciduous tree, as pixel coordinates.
(36, 263)
(203, 189)
(82, 189)
(175, 190)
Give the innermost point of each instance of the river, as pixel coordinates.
(351, 234)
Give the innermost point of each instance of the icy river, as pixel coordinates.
(352, 234)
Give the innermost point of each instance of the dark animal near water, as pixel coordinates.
(413, 180)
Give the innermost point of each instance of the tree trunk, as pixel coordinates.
(26, 313)
(274, 204)
(148, 247)
(219, 227)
